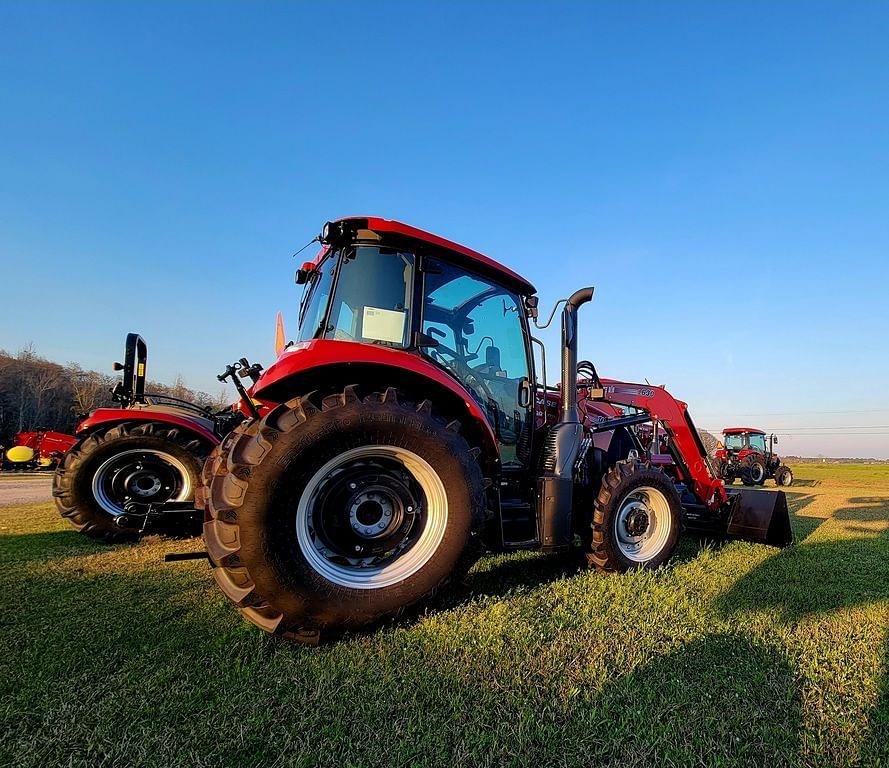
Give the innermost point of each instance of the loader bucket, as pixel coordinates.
(760, 516)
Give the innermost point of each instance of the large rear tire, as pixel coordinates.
(637, 518)
(320, 520)
(754, 473)
(146, 462)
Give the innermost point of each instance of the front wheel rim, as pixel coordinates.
(142, 475)
(756, 473)
(643, 524)
(371, 517)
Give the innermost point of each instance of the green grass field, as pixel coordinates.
(739, 655)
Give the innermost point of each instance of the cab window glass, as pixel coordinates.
(476, 332)
(315, 300)
(372, 301)
(758, 443)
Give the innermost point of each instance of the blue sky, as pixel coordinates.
(720, 173)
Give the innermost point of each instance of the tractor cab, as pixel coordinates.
(740, 439)
(453, 308)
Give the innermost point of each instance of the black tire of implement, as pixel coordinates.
(249, 504)
(617, 482)
(784, 477)
(72, 481)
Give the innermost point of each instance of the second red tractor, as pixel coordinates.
(747, 455)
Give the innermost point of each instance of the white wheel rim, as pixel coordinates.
(119, 460)
(357, 574)
(636, 544)
(756, 472)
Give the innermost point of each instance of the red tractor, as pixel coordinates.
(414, 433)
(40, 449)
(134, 469)
(744, 454)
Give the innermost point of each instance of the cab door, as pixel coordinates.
(479, 332)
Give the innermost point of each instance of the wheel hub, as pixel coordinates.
(374, 513)
(146, 476)
(637, 520)
(371, 516)
(642, 524)
(367, 509)
(142, 483)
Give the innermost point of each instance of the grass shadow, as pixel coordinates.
(823, 577)
(23, 548)
(819, 577)
(718, 700)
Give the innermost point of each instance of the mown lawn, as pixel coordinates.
(739, 655)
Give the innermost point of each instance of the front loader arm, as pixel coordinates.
(686, 446)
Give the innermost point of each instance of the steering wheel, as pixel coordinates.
(459, 364)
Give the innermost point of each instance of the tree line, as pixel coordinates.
(36, 393)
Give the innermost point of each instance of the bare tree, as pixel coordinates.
(90, 389)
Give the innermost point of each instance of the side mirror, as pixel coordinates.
(304, 273)
(775, 439)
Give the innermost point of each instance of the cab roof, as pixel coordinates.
(470, 258)
(742, 430)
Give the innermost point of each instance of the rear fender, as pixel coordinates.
(105, 417)
(328, 366)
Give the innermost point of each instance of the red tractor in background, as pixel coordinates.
(744, 454)
(40, 449)
(413, 433)
(134, 469)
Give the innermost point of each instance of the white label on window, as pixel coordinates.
(383, 325)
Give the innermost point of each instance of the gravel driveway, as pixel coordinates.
(25, 489)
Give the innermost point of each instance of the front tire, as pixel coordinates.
(147, 462)
(636, 519)
(320, 520)
(784, 477)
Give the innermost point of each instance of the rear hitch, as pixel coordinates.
(241, 370)
(147, 518)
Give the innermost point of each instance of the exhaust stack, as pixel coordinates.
(555, 487)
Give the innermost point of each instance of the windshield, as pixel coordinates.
(734, 442)
(371, 301)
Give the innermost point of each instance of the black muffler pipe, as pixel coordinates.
(555, 488)
(570, 413)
